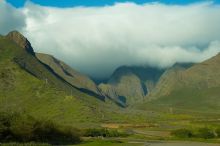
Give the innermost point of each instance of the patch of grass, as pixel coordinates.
(107, 143)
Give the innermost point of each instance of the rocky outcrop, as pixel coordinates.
(20, 40)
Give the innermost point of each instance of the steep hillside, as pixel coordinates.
(169, 79)
(27, 85)
(199, 76)
(196, 87)
(30, 86)
(20, 52)
(129, 85)
(71, 76)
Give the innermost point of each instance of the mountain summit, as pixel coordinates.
(20, 40)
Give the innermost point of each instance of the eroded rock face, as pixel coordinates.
(130, 85)
(20, 40)
(127, 90)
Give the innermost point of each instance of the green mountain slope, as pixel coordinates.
(27, 85)
(20, 52)
(71, 76)
(196, 87)
(169, 79)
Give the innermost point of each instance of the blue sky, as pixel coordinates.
(70, 3)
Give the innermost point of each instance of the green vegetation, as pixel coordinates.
(104, 133)
(25, 144)
(38, 105)
(20, 127)
(204, 133)
(106, 143)
(182, 133)
(218, 132)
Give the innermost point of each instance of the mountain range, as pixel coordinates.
(33, 82)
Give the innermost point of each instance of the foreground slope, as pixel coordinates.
(30, 86)
(27, 85)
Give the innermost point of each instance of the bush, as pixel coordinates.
(217, 131)
(104, 133)
(21, 128)
(48, 131)
(182, 133)
(205, 133)
(25, 144)
(5, 125)
(24, 128)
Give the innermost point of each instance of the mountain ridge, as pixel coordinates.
(73, 77)
(127, 86)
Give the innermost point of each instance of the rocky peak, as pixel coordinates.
(20, 40)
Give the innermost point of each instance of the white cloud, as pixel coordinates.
(10, 18)
(96, 40)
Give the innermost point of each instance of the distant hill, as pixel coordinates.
(131, 84)
(192, 87)
(169, 79)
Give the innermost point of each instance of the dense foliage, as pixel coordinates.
(24, 128)
(218, 132)
(182, 133)
(205, 133)
(104, 133)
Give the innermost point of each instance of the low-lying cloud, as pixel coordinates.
(10, 18)
(96, 40)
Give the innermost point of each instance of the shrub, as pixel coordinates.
(50, 132)
(218, 132)
(205, 133)
(24, 144)
(104, 132)
(24, 128)
(182, 133)
(21, 128)
(5, 125)
(95, 132)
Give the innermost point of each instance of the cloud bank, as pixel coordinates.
(96, 40)
(10, 18)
